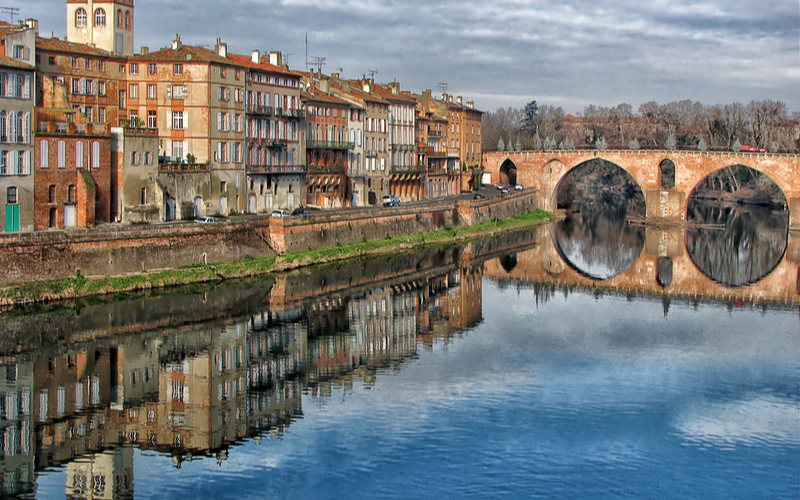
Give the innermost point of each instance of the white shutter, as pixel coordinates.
(27, 90)
(169, 91)
(219, 152)
(186, 120)
(169, 119)
(219, 121)
(227, 121)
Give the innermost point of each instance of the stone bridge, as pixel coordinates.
(663, 268)
(544, 170)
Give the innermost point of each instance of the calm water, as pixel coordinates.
(442, 381)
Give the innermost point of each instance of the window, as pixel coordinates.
(99, 17)
(237, 152)
(177, 120)
(151, 68)
(151, 90)
(152, 121)
(223, 72)
(134, 69)
(51, 60)
(62, 154)
(121, 99)
(101, 65)
(95, 154)
(133, 90)
(177, 69)
(143, 199)
(21, 52)
(128, 20)
(79, 154)
(75, 62)
(71, 193)
(11, 195)
(44, 153)
(88, 63)
(101, 115)
(101, 88)
(51, 193)
(80, 18)
(119, 18)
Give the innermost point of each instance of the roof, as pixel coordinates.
(9, 62)
(58, 45)
(261, 66)
(386, 93)
(311, 95)
(356, 92)
(184, 54)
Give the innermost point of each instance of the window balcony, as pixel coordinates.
(276, 169)
(329, 145)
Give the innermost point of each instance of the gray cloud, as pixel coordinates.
(504, 54)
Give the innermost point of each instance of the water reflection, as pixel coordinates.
(192, 391)
(522, 375)
(599, 244)
(736, 244)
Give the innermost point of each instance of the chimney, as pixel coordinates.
(33, 23)
(471, 104)
(335, 75)
(395, 87)
(176, 44)
(256, 57)
(459, 100)
(324, 85)
(367, 86)
(221, 48)
(445, 97)
(144, 50)
(275, 58)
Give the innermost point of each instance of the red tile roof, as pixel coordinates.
(8, 62)
(262, 66)
(57, 45)
(185, 54)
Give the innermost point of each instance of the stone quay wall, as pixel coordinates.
(115, 250)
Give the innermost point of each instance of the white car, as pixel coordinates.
(206, 220)
(519, 187)
(281, 213)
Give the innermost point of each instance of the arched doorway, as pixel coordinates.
(508, 173)
(198, 206)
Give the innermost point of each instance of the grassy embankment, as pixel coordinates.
(80, 286)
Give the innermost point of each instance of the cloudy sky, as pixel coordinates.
(500, 53)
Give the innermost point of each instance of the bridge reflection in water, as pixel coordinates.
(191, 375)
(651, 261)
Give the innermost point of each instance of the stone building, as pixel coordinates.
(195, 98)
(16, 142)
(105, 24)
(407, 177)
(326, 146)
(274, 152)
(137, 197)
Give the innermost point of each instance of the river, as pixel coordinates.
(437, 374)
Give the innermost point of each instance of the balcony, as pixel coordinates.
(401, 147)
(276, 169)
(408, 169)
(276, 144)
(434, 132)
(329, 145)
(291, 113)
(260, 110)
(182, 167)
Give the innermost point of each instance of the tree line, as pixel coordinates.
(684, 125)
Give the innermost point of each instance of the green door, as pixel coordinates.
(12, 218)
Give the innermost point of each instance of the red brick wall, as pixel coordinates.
(88, 211)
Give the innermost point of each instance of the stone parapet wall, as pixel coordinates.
(114, 249)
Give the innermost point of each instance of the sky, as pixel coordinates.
(503, 53)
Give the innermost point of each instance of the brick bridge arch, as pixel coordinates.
(544, 170)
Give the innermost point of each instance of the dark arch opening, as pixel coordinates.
(739, 226)
(595, 238)
(508, 262)
(667, 174)
(508, 173)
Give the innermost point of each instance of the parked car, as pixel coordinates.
(206, 220)
(391, 201)
(478, 196)
(280, 213)
(519, 187)
(301, 211)
(504, 190)
(500, 186)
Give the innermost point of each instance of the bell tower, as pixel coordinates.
(105, 24)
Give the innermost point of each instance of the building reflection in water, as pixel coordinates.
(195, 390)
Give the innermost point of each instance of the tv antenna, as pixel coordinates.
(10, 10)
(319, 62)
(286, 57)
(372, 73)
(442, 87)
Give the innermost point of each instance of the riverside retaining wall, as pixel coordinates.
(113, 250)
